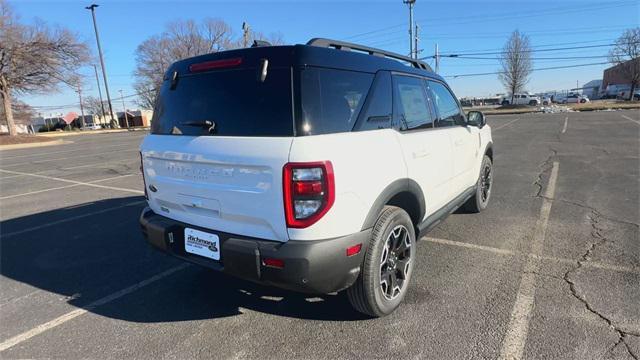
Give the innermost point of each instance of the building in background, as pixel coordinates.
(592, 89)
(615, 79)
(136, 118)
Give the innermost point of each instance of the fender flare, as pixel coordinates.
(396, 187)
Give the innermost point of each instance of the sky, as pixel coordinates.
(457, 26)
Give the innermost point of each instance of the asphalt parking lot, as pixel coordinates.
(550, 271)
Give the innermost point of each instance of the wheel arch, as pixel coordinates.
(489, 151)
(403, 193)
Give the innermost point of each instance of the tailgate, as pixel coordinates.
(227, 184)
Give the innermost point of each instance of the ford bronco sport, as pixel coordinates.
(312, 167)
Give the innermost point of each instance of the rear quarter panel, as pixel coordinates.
(364, 163)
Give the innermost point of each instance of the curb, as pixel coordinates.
(34, 145)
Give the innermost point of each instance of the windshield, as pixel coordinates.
(235, 102)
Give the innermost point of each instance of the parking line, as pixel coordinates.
(566, 121)
(58, 159)
(62, 187)
(503, 125)
(630, 119)
(73, 218)
(516, 336)
(78, 312)
(70, 151)
(73, 181)
(506, 252)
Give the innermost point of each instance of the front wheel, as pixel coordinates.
(480, 199)
(388, 265)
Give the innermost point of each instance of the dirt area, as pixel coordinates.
(5, 139)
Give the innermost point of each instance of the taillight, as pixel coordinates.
(144, 182)
(309, 192)
(215, 64)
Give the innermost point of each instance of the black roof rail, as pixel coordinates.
(343, 45)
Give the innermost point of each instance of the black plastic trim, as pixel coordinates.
(316, 267)
(393, 189)
(434, 219)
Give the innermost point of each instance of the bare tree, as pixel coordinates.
(93, 106)
(22, 113)
(35, 58)
(626, 54)
(181, 39)
(516, 63)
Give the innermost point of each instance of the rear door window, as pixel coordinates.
(330, 100)
(232, 99)
(449, 112)
(411, 104)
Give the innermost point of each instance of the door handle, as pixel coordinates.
(420, 153)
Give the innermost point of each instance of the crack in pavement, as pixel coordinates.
(544, 167)
(597, 232)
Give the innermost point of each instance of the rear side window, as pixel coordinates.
(449, 113)
(234, 100)
(378, 109)
(330, 100)
(411, 103)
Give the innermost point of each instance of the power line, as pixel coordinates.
(526, 51)
(538, 69)
(492, 17)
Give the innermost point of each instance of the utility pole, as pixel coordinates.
(95, 68)
(437, 56)
(81, 107)
(412, 53)
(416, 38)
(124, 108)
(93, 7)
(245, 34)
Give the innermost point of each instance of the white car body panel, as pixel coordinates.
(364, 163)
(228, 184)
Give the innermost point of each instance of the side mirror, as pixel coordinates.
(476, 118)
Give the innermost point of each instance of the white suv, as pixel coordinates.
(310, 167)
(521, 99)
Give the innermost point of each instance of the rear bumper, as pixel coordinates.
(316, 267)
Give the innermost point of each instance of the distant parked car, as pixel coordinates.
(546, 100)
(624, 95)
(522, 99)
(575, 99)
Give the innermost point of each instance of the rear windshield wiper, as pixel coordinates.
(205, 124)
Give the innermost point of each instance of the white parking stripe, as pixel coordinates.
(516, 337)
(506, 252)
(73, 181)
(72, 218)
(507, 124)
(93, 145)
(63, 158)
(78, 312)
(630, 119)
(62, 187)
(566, 122)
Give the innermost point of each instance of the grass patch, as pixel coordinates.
(5, 139)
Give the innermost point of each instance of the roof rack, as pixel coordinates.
(342, 45)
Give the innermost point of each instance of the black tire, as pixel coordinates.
(533, 103)
(368, 294)
(480, 199)
(505, 102)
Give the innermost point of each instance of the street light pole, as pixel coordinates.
(81, 107)
(412, 53)
(95, 68)
(93, 7)
(124, 108)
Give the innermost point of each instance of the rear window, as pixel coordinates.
(235, 100)
(330, 100)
